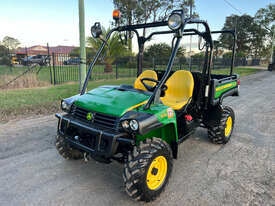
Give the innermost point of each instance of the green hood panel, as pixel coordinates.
(109, 100)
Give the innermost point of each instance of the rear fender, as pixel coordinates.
(212, 115)
(221, 88)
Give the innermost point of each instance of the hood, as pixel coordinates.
(111, 100)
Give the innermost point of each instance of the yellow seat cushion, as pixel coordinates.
(179, 89)
(146, 74)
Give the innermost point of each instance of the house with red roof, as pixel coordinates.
(43, 50)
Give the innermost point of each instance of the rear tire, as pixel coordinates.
(221, 133)
(148, 169)
(66, 151)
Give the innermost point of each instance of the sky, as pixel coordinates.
(38, 22)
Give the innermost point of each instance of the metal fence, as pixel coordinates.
(60, 68)
(64, 68)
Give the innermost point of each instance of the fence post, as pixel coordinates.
(54, 80)
(116, 71)
(26, 50)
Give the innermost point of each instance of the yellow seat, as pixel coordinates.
(146, 74)
(179, 89)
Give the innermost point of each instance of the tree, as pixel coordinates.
(4, 56)
(4, 51)
(250, 36)
(228, 55)
(161, 53)
(114, 49)
(186, 4)
(218, 51)
(128, 17)
(161, 50)
(10, 42)
(257, 40)
(143, 11)
(199, 55)
(265, 17)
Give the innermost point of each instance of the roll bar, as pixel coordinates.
(207, 35)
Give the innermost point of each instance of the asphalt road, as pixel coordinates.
(239, 173)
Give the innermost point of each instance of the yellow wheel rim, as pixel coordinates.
(228, 127)
(156, 173)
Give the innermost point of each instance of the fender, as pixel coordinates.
(159, 121)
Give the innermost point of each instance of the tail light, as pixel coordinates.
(188, 117)
(238, 82)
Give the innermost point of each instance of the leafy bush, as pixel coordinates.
(5, 60)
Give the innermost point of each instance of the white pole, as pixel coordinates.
(191, 12)
(82, 66)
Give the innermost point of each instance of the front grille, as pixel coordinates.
(99, 119)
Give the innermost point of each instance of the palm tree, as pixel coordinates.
(115, 48)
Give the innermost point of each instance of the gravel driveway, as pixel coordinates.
(239, 173)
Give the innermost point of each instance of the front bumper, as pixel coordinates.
(91, 139)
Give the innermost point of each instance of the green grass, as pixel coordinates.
(43, 100)
(43, 75)
(239, 70)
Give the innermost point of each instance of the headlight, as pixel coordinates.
(65, 106)
(125, 124)
(134, 125)
(174, 21)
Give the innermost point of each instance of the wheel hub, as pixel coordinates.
(154, 171)
(157, 172)
(228, 127)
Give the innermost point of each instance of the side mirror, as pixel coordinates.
(96, 30)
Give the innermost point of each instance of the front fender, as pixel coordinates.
(147, 122)
(167, 124)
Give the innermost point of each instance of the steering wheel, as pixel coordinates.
(151, 88)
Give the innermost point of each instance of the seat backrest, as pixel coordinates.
(146, 74)
(180, 85)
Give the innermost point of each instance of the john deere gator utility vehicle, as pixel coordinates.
(141, 125)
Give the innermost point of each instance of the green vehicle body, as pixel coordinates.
(221, 89)
(111, 101)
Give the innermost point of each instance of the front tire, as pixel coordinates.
(221, 133)
(66, 151)
(147, 171)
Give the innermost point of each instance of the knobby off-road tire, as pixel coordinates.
(66, 151)
(221, 133)
(147, 171)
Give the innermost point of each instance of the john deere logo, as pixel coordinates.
(89, 116)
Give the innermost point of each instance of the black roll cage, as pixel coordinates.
(179, 33)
